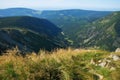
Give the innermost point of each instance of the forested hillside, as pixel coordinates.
(29, 33)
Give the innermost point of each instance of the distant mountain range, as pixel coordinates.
(30, 34)
(83, 28)
(69, 20)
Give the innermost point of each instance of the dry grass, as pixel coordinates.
(61, 64)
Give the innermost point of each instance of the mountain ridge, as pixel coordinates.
(103, 33)
(32, 33)
(80, 26)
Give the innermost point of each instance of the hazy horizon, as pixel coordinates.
(97, 5)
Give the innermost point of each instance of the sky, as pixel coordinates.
(101, 5)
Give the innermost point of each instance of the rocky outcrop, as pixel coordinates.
(114, 57)
(117, 50)
(106, 62)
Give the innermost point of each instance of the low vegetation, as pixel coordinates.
(68, 64)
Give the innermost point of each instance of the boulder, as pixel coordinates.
(117, 50)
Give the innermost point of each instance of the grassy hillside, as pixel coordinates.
(69, 64)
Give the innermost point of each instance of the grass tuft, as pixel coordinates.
(61, 64)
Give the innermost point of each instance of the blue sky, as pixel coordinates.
(62, 4)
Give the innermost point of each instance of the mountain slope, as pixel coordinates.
(103, 33)
(29, 33)
(69, 20)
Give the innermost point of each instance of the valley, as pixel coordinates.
(81, 28)
(69, 44)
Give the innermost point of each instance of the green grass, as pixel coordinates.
(68, 64)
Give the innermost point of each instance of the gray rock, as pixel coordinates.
(117, 50)
(116, 58)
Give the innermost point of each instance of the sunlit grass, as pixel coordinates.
(61, 64)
